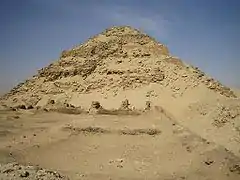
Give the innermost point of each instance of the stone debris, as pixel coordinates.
(125, 105)
(15, 171)
(95, 107)
(148, 105)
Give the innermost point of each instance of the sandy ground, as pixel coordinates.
(237, 91)
(148, 146)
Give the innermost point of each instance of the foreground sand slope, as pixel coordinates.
(147, 146)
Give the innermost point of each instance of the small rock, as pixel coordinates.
(46, 110)
(96, 105)
(21, 107)
(13, 109)
(24, 174)
(30, 107)
(188, 148)
(148, 105)
(208, 162)
(37, 146)
(125, 104)
(235, 168)
(120, 160)
(119, 61)
(8, 170)
(51, 101)
(120, 166)
(111, 161)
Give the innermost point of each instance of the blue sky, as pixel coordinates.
(203, 33)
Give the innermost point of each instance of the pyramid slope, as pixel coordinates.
(118, 60)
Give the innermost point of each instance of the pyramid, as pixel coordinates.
(119, 63)
(123, 71)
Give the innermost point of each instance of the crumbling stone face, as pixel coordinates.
(136, 78)
(213, 84)
(218, 87)
(175, 61)
(53, 73)
(158, 77)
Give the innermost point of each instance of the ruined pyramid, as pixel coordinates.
(119, 63)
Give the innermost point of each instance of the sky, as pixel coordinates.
(203, 33)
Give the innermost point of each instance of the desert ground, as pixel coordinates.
(151, 145)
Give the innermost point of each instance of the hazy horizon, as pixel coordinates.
(203, 33)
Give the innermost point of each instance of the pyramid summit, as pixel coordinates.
(118, 42)
(119, 63)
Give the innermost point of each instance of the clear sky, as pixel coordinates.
(204, 33)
